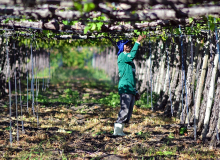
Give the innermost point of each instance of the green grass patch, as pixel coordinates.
(145, 100)
(113, 99)
(63, 74)
(69, 96)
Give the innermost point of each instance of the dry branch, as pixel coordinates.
(122, 15)
(79, 28)
(69, 3)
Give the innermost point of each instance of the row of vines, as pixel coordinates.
(183, 71)
(181, 66)
(20, 62)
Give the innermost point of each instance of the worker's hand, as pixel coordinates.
(137, 97)
(140, 37)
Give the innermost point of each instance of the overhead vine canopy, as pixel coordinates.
(106, 18)
(57, 23)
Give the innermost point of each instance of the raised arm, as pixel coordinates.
(130, 56)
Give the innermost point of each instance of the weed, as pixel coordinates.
(81, 111)
(68, 96)
(113, 99)
(144, 135)
(145, 100)
(101, 132)
(115, 150)
(164, 153)
(139, 149)
(171, 135)
(96, 158)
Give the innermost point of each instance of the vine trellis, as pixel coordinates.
(190, 27)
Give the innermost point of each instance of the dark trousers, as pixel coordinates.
(127, 104)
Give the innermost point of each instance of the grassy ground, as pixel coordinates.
(76, 118)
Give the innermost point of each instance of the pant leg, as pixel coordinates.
(126, 102)
(130, 108)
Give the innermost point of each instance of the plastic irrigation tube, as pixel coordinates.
(9, 88)
(184, 79)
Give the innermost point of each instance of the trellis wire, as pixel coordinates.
(43, 80)
(193, 89)
(35, 57)
(152, 107)
(27, 78)
(48, 80)
(209, 35)
(9, 88)
(212, 65)
(182, 70)
(19, 82)
(16, 97)
(168, 69)
(147, 82)
(183, 79)
(32, 79)
(43, 86)
(217, 43)
(36, 79)
(192, 57)
(194, 112)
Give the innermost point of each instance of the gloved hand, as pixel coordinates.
(137, 96)
(140, 37)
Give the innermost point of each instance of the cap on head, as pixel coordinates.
(121, 44)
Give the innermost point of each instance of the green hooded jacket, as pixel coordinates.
(126, 67)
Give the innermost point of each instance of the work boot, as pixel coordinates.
(118, 129)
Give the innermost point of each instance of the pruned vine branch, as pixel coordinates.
(141, 15)
(69, 3)
(79, 28)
